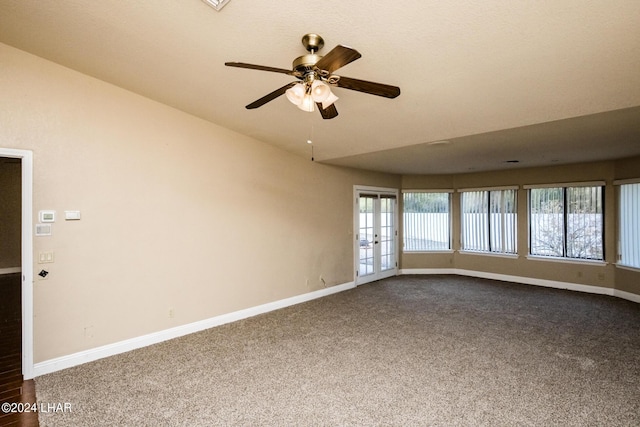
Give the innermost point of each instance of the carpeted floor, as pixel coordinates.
(410, 350)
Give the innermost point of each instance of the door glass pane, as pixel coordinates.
(387, 233)
(366, 235)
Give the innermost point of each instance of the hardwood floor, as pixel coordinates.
(13, 389)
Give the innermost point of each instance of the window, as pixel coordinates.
(566, 222)
(489, 221)
(427, 221)
(630, 225)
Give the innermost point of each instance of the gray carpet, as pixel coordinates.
(410, 350)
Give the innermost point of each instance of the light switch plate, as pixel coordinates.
(43, 229)
(45, 257)
(71, 215)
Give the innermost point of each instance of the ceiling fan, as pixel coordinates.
(315, 73)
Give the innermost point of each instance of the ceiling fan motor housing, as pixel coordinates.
(305, 63)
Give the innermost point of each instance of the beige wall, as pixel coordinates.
(628, 168)
(10, 213)
(607, 276)
(177, 213)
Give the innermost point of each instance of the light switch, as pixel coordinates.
(45, 257)
(43, 229)
(71, 215)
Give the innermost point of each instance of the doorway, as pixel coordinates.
(376, 232)
(17, 271)
(10, 275)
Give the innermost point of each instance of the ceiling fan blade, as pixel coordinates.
(258, 67)
(338, 57)
(372, 88)
(328, 113)
(270, 97)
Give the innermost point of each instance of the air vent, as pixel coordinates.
(216, 4)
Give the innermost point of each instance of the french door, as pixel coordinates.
(376, 243)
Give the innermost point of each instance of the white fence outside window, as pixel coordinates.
(502, 234)
(489, 221)
(426, 231)
(427, 221)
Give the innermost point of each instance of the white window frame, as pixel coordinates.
(564, 187)
(490, 248)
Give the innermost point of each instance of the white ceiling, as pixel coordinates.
(542, 82)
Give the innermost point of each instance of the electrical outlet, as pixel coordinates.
(171, 313)
(601, 276)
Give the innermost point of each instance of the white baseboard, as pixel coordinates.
(527, 281)
(10, 270)
(429, 271)
(64, 362)
(626, 295)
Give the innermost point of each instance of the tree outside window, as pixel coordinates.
(566, 222)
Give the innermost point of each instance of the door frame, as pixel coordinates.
(380, 191)
(26, 262)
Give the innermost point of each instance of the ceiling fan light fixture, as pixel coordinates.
(320, 91)
(295, 94)
(307, 103)
(329, 101)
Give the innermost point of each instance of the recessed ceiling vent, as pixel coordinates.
(216, 4)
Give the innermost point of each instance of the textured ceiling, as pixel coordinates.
(542, 82)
